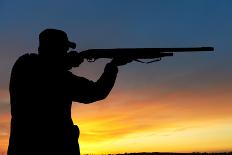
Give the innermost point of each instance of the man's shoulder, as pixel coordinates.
(27, 59)
(28, 56)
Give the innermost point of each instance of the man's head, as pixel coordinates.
(54, 42)
(54, 46)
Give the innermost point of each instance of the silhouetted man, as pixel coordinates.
(41, 93)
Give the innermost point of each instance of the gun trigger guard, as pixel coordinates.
(154, 60)
(91, 60)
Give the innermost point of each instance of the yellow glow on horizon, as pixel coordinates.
(141, 122)
(180, 122)
(214, 138)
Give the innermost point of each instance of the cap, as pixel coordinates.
(55, 37)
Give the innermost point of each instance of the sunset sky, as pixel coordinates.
(180, 104)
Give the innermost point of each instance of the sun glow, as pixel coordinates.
(121, 124)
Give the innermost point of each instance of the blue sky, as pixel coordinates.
(110, 24)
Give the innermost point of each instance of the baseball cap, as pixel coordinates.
(54, 37)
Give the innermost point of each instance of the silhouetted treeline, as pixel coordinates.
(170, 153)
(159, 153)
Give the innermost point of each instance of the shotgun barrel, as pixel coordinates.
(138, 53)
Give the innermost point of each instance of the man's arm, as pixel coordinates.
(86, 91)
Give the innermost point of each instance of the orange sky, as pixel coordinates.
(134, 122)
(150, 120)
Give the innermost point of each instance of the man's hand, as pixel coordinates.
(74, 59)
(120, 61)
